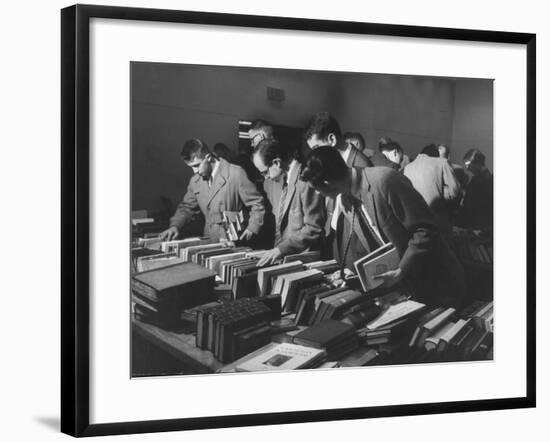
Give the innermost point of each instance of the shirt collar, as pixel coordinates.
(214, 170)
(346, 153)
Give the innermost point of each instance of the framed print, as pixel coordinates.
(270, 220)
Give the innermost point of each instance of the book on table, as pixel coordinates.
(283, 356)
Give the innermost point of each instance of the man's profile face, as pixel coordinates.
(201, 166)
(272, 172)
(443, 152)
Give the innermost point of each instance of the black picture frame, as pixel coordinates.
(75, 212)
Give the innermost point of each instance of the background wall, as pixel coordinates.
(473, 119)
(172, 103)
(30, 196)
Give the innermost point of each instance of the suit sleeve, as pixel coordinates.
(414, 215)
(314, 215)
(253, 200)
(187, 209)
(451, 187)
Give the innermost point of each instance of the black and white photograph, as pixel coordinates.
(286, 219)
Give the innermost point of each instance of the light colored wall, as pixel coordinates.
(473, 119)
(415, 111)
(172, 103)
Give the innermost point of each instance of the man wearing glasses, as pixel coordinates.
(299, 212)
(215, 187)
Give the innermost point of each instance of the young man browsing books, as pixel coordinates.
(217, 186)
(381, 206)
(299, 212)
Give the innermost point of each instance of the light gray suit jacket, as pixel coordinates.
(231, 190)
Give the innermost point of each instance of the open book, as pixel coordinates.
(380, 261)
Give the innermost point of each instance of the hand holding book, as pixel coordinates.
(389, 278)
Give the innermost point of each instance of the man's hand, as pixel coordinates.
(270, 257)
(390, 278)
(169, 234)
(247, 234)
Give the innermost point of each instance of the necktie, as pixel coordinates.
(280, 213)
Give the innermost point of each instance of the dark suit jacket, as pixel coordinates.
(404, 219)
(230, 191)
(378, 159)
(303, 214)
(356, 158)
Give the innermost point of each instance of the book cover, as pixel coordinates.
(283, 356)
(379, 261)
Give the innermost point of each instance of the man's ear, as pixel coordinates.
(277, 162)
(332, 139)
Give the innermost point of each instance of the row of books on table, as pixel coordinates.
(420, 336)
(236, 306)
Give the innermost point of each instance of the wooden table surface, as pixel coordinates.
(181, 345)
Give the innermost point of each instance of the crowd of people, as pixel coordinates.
(344, 199)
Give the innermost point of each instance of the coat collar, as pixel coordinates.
(292, 179)
(221, 177)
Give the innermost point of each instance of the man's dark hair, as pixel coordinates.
(475, 156)
(194, 148)
(431, 150)
(390, 146)
(222, 151)
(355, 136)
(324, 164)
(270, 149)
(383, 141)
(263, 126)
(322, 124)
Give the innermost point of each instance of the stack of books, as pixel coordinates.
(233, 329)
(142, 226)
(160, 295)
(443, 334)
(335, 337)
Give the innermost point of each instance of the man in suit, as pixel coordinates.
(435, 180)
(299, 211)
(476, 211)
(380, 206)
(390, 154)
(357, 140)
(323, 130)
(216, 186)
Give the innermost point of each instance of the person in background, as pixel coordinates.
(460, 173)
(435, 180)
(357, 140)
(259, 130)
(444, 151)
(431, 150)
(215, 187)
(299, 211)
(389, 154)
(476, 211)
(380, 206)
(222, 151)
